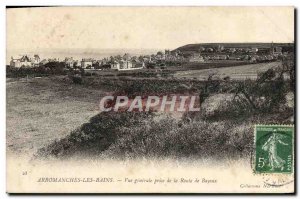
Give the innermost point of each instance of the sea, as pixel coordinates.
(77, 54)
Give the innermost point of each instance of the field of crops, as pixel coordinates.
(242, 72)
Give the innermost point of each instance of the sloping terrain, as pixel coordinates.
(243, 72)
(38, 111)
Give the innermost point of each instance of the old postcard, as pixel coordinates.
(150, 100)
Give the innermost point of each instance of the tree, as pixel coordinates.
(288, 67)
(266, 94)
(75, 65)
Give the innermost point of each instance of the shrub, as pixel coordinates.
(77, 79)
(131, 135)
(166, 138)
(94, 137)
(266, 94)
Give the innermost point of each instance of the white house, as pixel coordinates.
(115, 65)
(86, 63)
(126, 65)
(22, 61)
(121, 65)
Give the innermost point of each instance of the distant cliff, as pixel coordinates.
(196, 47)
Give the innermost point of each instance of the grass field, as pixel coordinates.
(42, 110)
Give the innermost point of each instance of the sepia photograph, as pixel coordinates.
(160, 99)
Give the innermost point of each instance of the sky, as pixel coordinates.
(145, 27)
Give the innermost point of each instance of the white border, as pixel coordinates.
(5, 3)
(153, 2)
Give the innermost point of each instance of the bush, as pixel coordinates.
(51, 68)
(266, 94)
(94, 137)
(131, 135)
(77, 79)
(243, 99)
(166, 138)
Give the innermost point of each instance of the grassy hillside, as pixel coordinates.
(222, 129)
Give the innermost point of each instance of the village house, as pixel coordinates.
(253, 50)
(220, 48)
(126, 57)
(86, 62)
(104, 61)
(196, 57)
(253, 59)
(125, 64)
(138, 64)
(173, 55)
(21, 61)
(43, 62)
(160, 56)
(53, 60)
(220, 57)
(210, 50)
(277, 51)
(145, 59)
(115, 65)
(69, 62)
(36, 61)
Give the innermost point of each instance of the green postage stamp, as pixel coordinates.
(274, 148)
